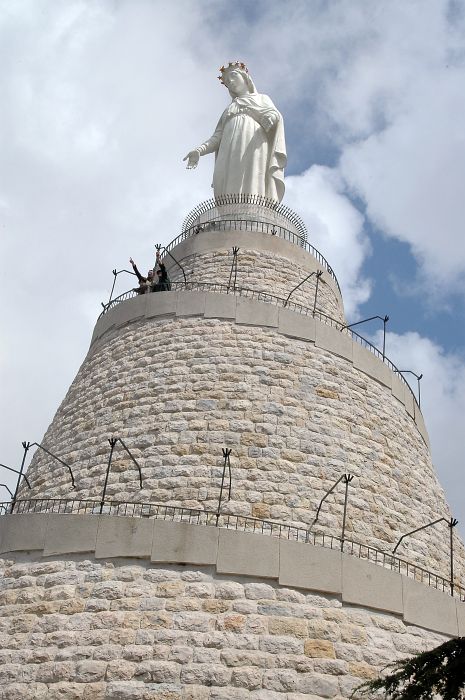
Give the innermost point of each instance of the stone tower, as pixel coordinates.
(184, 583)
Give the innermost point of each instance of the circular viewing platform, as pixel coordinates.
(246, 206)
(253, 214)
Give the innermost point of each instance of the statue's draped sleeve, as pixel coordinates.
(212, 144)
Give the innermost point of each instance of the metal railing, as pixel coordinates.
(248, 293)
(243, 523)
(252, 226)
(254, 200)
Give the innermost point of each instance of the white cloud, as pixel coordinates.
(442, 405)
(335, 228)
(411, 178)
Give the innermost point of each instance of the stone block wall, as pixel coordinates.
(296, 417)
(129, 630)
(262, 271)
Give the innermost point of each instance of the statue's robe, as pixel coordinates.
(248, 159)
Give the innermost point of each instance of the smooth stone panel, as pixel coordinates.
(129, 310)
(460, 617)
(23, 533)
(220, 306)
(124, 537)
(190, 304)
(398, 388)
(369, 364)
(420, 422)
(428, 607)
(67, 534)
(183, 543)
(409, 402)
(248, 554)
(364, 583)
(161, 304)
(296, 325)
(103, 324)
(333, 340)
(306, 566)
(251, 313)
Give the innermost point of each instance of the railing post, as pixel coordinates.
(347, 479)
(26, 446)
(385, 320)
(133, 459)
(452, 523)
(112, 442)
(115, 274)
(299, 285)
(318, 275)
(227, 463)
(235, 251)
(158, 247)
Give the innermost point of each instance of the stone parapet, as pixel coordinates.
(290, 564)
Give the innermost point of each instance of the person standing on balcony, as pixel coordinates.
(145, 283)
(163, 284)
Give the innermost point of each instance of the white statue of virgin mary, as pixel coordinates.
(248, 142)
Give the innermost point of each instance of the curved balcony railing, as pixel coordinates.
(278, 301)
(241, 523)
(255, 200)
(254, 226)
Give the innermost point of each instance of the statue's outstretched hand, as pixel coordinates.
(192, 159)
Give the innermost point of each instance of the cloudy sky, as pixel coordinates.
(101, 100)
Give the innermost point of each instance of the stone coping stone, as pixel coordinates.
(235, 553)
(253, 312)
(181, 543)
(364, 583)
(296, 325)
(161, 304)
(247, 554)
(23, 533)
(332, 339)
(305, 566)
(367, 362)
(428, 607)
(70, 535)
(123, 537)
(460, 617)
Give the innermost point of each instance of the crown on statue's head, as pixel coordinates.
(232, 65)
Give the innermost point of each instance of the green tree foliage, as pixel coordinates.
(436, 673)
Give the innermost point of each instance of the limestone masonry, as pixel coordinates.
(99, 606)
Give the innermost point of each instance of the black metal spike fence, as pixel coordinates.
(218, 518)
(211, 205)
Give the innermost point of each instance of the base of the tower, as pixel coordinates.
(111, 607)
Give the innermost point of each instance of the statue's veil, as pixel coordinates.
(248, 80)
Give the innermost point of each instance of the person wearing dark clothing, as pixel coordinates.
(163, 284)
(145, 283)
